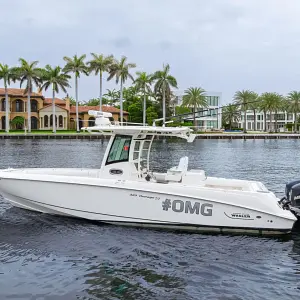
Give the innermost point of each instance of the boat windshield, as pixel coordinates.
(119, 151)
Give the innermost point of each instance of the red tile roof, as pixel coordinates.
(18, 93)
(57, 101)
(83, 109)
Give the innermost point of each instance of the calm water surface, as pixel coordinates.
(46, 257)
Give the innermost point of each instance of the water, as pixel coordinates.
(46, 257)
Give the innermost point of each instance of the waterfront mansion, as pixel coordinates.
(41, 111)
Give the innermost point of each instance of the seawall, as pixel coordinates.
(81, 136)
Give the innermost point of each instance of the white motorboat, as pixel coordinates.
(124, 191)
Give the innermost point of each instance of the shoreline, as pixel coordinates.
(206, 136)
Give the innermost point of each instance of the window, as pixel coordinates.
(46, 120)
(34, 105)
(3, 105)
(280, 116)
(119, 150)
(60, 121)
(19, 106)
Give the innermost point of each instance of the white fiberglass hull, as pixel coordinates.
(147, 204)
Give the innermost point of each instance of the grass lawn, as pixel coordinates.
(48, 132)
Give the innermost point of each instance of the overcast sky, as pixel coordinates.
(219, 45)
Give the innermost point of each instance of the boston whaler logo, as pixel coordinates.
(239, 216)
(188, 207)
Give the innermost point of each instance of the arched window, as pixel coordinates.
(91, 121)
(34, 123)
(3, 123)
(60, 121)
(51, 120)
(34, 105)
(19, 105)
(3, 103)
(46, 121)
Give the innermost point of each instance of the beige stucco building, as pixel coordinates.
(41, 112)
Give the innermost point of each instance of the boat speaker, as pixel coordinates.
(295, 195)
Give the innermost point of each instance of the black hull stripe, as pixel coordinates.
(198, 227)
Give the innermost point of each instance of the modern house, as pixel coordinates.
(207, 118)
(41, 111)
(283, 118)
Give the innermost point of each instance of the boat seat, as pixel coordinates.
(182, 166)
(173, 174)
(176, 173)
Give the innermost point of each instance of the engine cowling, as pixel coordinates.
(288, 188)
(295, 195)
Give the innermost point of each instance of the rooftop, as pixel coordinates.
(18, 93)
(57, 101)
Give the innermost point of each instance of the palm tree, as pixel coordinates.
(76, 65)
(29, 73)
(113, 95)
(120, 70)
(294, 105)
(244, 98)
(8, 75)
(231, 114)
(254, 106)
(194, 97)
(143, 84)
(164, 82)
(55, 78)
(265, 105)
(271, 102)
(277, 102)
(100, 64)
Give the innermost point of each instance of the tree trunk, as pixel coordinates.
(6, 108)
(53, 111)
(275, 116)
(121, 103)
(144, 109)
(245, 121)
(295, 124)
(254, 124)
(265, 121)
(76, 96)
(164, 107)
(29, 107)
(195, 116)
(100, 91)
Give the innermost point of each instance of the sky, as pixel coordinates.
(219, 45)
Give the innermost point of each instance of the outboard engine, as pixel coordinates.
(295, 195)
(292, 199)
(288, 188)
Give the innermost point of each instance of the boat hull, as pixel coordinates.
(152, 205)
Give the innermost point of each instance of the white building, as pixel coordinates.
(207, 118)
(283, 118)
